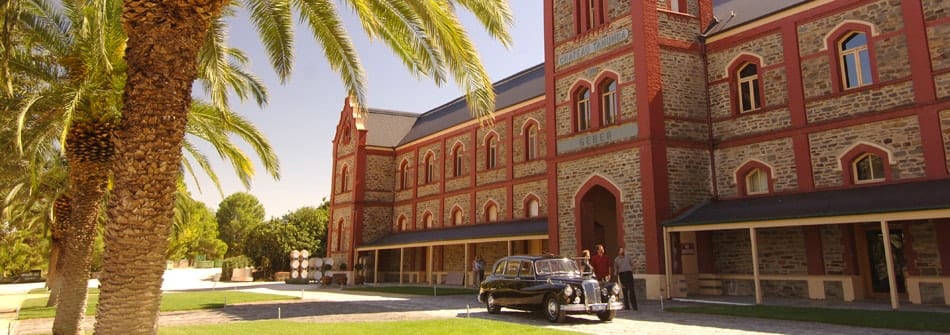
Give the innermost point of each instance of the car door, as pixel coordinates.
(522, 283)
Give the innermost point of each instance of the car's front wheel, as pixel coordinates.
(606, 315)
(552, 309)
(490, 304)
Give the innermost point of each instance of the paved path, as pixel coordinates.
(335, 305)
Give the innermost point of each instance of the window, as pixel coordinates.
(491, 157)
(589, 14)
(457, 217)
(404, 175)
(401, 224)
(429, 168)
(531, 142)
(491, 213)
(757, 181)
(459, 156)
(533, 208)
(344, 180)
(427, 220)
(868, 168)
(346, 135)
(608, 102)
(339, 235)
(855, 60)
(582, 107)
(750, 98)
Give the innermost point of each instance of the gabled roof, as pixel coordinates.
(528, 227)
(386, 127)
(516, 88)
(747, 10)
(891, 198)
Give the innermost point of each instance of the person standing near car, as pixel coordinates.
(623, 267)
(601, 264)
(478, 265)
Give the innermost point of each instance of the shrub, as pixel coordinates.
(238, 262)
(342, 266)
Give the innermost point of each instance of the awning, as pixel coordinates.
(534, 228)
(891, 202)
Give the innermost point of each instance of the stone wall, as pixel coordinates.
(461, 201)
(945, 128)
(684, 92)
(689, 174)
(405, 211)
(539, 189)
(860, 102)
(676, 26)
(622, 168)
(899, 136)
(925, 245)
(885, 15)
(832, 249)
(498, 196)
(779, 154)
(380, 178)
(622, 66)
(754, 123)
(432, 207)
(376, 223)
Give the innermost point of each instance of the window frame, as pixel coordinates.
(749, 85)
(491, 212)
(609, 111)
(532, 200)
(581, 103)
(859, 64)
(458, 218)
(531, 141)
(458, 158)
(743, 172)
(833, 44)
(404, 174)
(849, 158)
(429, 161)
(344, 179)
(491, 151)
(735, 83)
(855, 170)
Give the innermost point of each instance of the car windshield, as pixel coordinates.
(556, 266)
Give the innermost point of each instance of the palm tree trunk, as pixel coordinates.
(61, 213)
(163, 44)
(89, 152)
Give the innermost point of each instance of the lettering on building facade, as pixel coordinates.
(586, 141)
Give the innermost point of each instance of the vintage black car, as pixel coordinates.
(552, 284)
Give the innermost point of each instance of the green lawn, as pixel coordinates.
(36, 307)
(415, 290)
(458, 326)
(908, 320)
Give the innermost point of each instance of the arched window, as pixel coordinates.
(868, 168)
(855, 60)
(753, 178)
(401, 223)
(531, 142)
(346, 135)
(491, 212)
(750, 97)
(582, 108)
(427, 220)
(404, 175)
(491, 153)
(756, 182)
(459, 158)
(533, 208)
(429, 168)
(339, 235)
(457, 217)
(608, 102)
(344, 179)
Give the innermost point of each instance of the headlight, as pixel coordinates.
(568, 291)
(616, 289)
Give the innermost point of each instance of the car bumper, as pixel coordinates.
(592, 308)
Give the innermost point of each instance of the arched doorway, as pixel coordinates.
(598, 220)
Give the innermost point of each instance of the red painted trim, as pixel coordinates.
(834, 55)
(551, 145)
(744, 170)
(679, 45)
(814, 252)
(919, 51)
(793, 73)
(597, 113)
(803, 170)
(931, 138)
(942, 232)
(474, 175)
(510, 166)
(847, 172)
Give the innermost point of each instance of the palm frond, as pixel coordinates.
(274, 23)
(325, 25)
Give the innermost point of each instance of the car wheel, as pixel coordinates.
(552, 309)
(606, 315)
(490, 304)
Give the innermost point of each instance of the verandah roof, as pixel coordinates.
(534, 228)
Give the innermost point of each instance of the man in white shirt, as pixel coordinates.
(623, 267)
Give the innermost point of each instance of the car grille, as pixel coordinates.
(591, 291)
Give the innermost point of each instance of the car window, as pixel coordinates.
(512, 268)
(526, 269)
(499, 267)
(557, 266)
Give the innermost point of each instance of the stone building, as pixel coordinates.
(766, 153)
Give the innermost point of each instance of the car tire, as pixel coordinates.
(606, 315)
(491, 306)
(552, 309)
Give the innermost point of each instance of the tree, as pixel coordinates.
(237, 215)
(164, 36)
(270, 244)
(195, 231)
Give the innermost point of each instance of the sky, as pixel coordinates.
(302, 114)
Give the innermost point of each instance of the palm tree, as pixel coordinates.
(74, 55)
(164, 36)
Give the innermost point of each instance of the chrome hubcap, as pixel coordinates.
(552, 307)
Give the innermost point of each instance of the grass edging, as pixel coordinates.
(904, 320)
